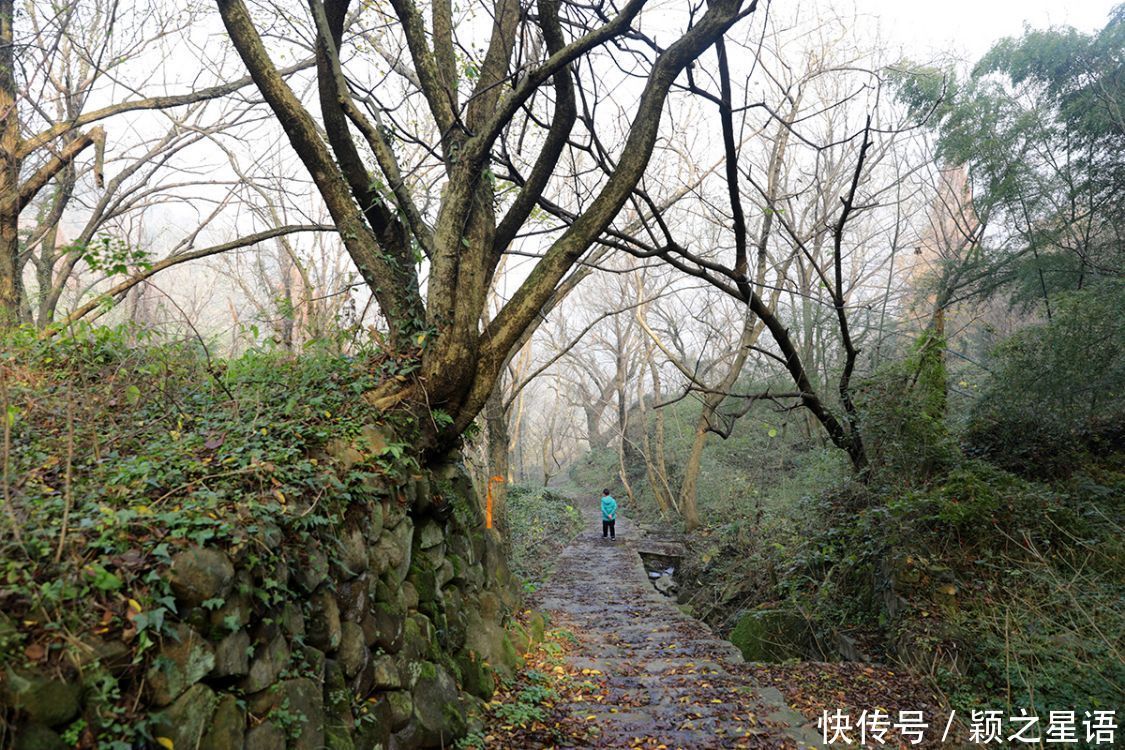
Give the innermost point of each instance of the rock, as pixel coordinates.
(313, 570)
(385, 627)
(304, 697)
(324, 622)
(270, 535)
(45, 700)
(185, 658)
(772, 635)
(292, 621)
(338, 722)
(403, 534)
(425, 582)
(419, 639)
(185, 721)
(228, 726)
(476, 678)
(267, 665)
(314, 662)
(488, 604)
(302, 702)
(38, 737)
(353, 651)
(409, 595)
(460, 546)
(373, 726)
(386, 673)
(538, 626)
(265, 736)
(433, 557)
(445, 573)
(114, 656)
(394, 512)
(520, 638)
(385, 554)
(401, 707)
(343, 453)
(390, 595)
(375, 438)
(489, 641)
(373, 524)
(474, 577)
(199, 574)
(238, 608)
(337, 737)
(353, 553)
(665, 585)
(457, 620)
(477, 539)
(232, 657)
(429, 534)
(438, 706)
(460, 567)
(352, 598)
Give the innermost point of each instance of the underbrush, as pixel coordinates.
(115, 454)
(541, 523)
(1007, 593)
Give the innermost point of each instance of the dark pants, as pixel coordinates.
(609, 529)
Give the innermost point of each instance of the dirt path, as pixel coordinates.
(668, 679)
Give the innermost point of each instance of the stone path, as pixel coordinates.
(671, 682)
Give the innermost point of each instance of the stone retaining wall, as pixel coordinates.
(380, 633)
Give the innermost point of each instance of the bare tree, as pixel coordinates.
(476, 111)
(53, 68)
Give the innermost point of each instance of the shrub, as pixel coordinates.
(1057, 390)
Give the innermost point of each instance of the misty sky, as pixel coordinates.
(969, 27)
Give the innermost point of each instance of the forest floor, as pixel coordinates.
(624, 667)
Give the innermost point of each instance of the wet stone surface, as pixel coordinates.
(668, 678)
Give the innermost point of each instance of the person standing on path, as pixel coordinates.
(609, 516)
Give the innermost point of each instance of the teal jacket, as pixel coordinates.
(609, 508)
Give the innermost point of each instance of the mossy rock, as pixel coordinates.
(185, 658)
(324, 621)
(338, 722)
(267, 665)
(771, 635)
(423, 577)
(231, 656)
(476, 676)
(265, 736)
(228, 726)
(537, 627)
(186, 720)
(45, 700)
(519, 637)
(199, 574)
(38, 737)
(439, 707)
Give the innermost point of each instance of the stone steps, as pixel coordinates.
(668, 678)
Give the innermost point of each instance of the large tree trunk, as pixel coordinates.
(11, 285)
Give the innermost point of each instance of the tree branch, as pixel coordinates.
(124, 286)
